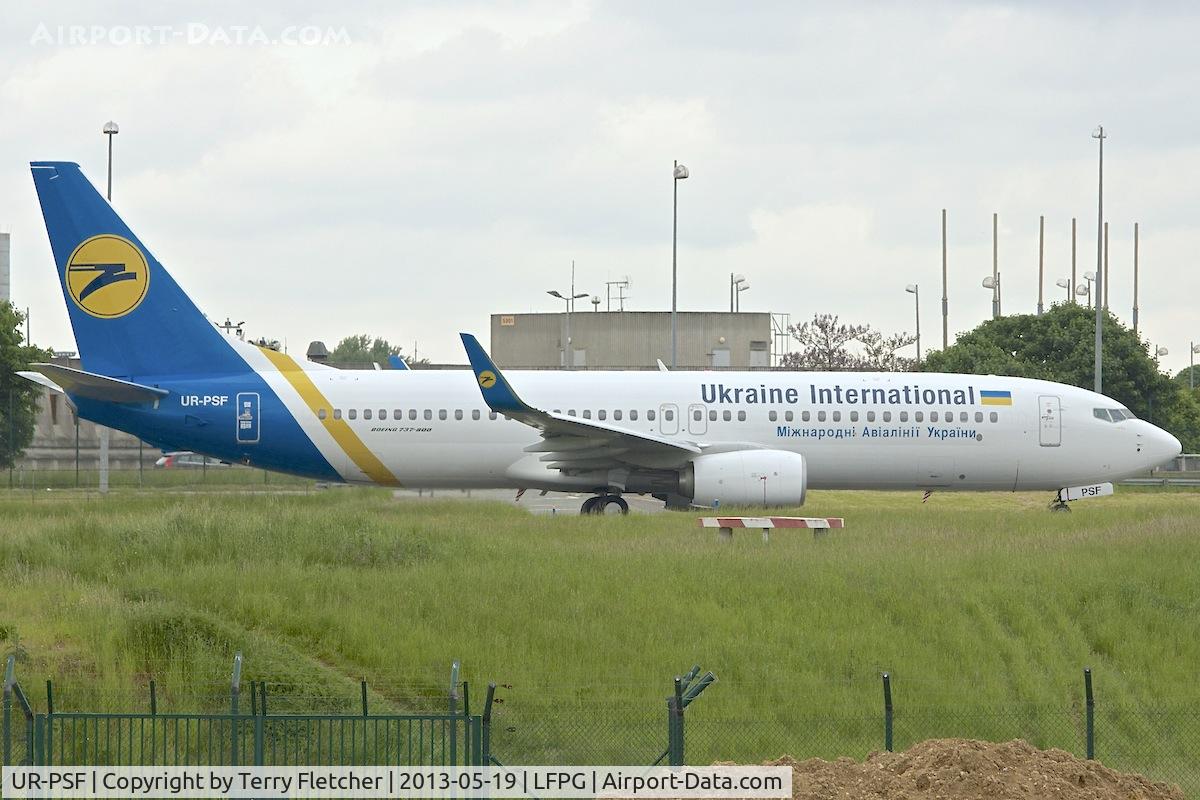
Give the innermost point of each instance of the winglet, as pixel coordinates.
(396, 362)
(499, 396)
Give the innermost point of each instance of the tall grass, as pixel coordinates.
(984, 608)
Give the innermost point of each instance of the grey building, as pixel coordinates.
(634, 340)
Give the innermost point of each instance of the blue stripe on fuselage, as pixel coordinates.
(193, 417)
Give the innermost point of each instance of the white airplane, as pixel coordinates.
(158, 369)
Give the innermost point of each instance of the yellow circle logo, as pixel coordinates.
(487, 379)
(107, 276)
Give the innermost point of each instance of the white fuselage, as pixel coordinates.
(848, 426)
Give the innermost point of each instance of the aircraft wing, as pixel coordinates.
(570, 443)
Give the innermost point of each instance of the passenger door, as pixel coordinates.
(1050, 425)
(668, 419)
(697, 419)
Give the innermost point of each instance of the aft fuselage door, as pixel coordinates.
(1050, 425)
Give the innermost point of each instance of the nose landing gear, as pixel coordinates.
(605, 504)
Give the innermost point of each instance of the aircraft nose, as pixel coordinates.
(1163, 447)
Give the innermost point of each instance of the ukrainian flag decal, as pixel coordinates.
(993, 398)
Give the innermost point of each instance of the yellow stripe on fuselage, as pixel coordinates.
(339, 429)
(995, 401)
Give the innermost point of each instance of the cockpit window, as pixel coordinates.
(1102, 413)
(1113, 414)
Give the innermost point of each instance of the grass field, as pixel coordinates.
(984, 608)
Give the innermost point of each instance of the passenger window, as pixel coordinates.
(412, 413)
(617, 415)
(837, 416)
(870, 416)
(475, 413)
(698, 415)
(979, 416)
(741, 416)
(727, 415)
(383, 413)
(669, 415)
(773, 416)
(712, 415)
(601, 414)
(887, 416)
(428, 413)
(820, 416)
(994, 417)
(963, 416)
(854, 416)
(933, 416)
(587, 413)
(633, 415)
(570, 412)
(904, 416)
(397, 414)
(320, 413)
(458, 413)
(441, 413)
(788, 416)
(367, 413)
(353, 413)
(492, 415)
(650, 415)
(918, 416)
(806, 416)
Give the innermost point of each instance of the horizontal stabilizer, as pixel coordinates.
(88, 384)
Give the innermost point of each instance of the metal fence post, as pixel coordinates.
(235, 691)
(887, 712)
(1091, 713)
(9, 679)
(259, 725)
(485, 754)
(675, 725)
(453, 701)
(364, 697)
(39, 743)
(153, 698)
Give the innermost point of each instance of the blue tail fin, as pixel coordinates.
(130, 317)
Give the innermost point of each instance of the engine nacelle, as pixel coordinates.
(747, 478)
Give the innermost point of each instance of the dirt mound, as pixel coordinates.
(961, 769)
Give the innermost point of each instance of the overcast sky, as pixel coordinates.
(427, 165)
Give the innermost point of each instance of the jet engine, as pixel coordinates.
(746, 477)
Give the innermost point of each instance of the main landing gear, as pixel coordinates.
(1058, 505)
(605, 504)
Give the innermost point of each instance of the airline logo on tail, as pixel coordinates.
(107, 276)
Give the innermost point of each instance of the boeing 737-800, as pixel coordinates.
(155, 367)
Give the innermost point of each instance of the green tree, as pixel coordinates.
(361, 350)
(1059, 346)
(18, 397)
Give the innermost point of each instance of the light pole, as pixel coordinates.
(1099, 136)
(569, 299)
(681, 173)
(737, 285)
(915, 291)
(110, 130)
(1195, 348)
(1064, 283)
(945, 299)
(993, 282)
(1041, 260)
(1089, 277)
